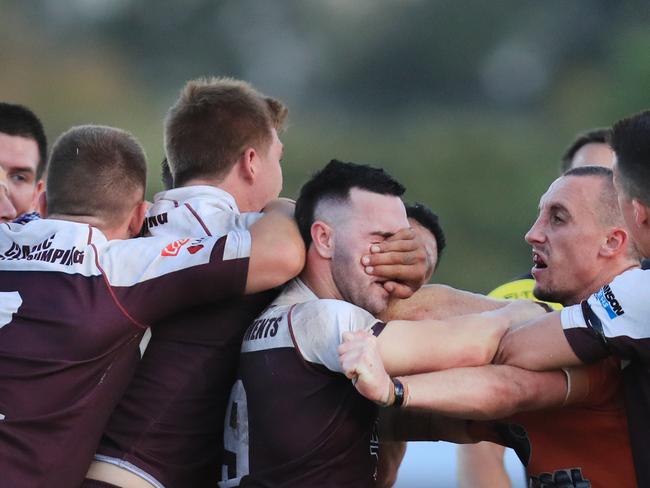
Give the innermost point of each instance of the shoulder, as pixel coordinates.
(330, 313)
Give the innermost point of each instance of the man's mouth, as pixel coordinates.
(538, 261)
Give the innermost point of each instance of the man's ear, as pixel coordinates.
(137, 218)
(248, 164)
(322, 236)
(38, 191)
(616, 242)
(640, 213)
(42, 204)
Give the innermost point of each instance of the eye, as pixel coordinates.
(556, 219)
(18, 177)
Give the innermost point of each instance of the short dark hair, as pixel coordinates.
(97, 171)
(600, 135)
(430, 221)
(213, 121)
(18, 120)
(334, 182)
(631, 143)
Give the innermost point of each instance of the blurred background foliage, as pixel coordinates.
(469, 103)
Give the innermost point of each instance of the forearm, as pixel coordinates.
(277, 251)
(428, 345)
(439, 302)
(485, 392)
(537, 345)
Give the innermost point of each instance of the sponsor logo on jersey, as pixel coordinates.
(43, 251)
(155, 221)
(609, 302)
(174, 248)
(262, 328)
(195, 246)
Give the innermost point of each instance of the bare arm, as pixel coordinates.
(410, 347)
(277, 250)
(486, 392)
(539, 344)
(439, 302)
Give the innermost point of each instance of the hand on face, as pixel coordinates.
(403, 260)
(361, 362)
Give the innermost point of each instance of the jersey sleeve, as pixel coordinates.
(613, 321)
(156, 276)
(317, 328)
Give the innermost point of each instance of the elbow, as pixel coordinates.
(502, 353)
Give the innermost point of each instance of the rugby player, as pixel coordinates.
(23, 155)
(582, 236)
(293, 418)
(613, 321)
(481, 465)
(224, 154)
(76, 296)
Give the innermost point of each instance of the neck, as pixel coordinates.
(317, 275)
(239, 190)
(607, 276)
(97, 223)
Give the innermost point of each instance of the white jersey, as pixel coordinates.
(186, 374)
(73, 308)
(616, 321)
(199, 210)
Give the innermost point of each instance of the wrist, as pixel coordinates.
(397, 394)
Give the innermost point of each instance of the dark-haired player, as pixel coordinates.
(293, 418)
(23, 155)
(76, 296)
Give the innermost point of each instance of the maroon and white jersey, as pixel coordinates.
(293, 418)
(616, 321)
(73, 309)
(168, 426)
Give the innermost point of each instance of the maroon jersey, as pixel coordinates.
(168, 426)
(293, 419)
(73, 309)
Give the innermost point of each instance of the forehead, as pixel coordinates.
(373, 212)
(18, 151)
(594, 153)
(578, 194)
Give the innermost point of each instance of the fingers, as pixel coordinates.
(398, 290)
(393, 257)
(352, 350)
(402, 259)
